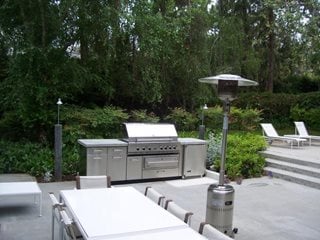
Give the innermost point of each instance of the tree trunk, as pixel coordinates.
(271, 51)
(43, 24)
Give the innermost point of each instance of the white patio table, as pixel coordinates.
(22, 188)
(122, 213)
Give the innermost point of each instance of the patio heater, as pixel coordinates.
(202, 128)
(58, 146)
(220, 197)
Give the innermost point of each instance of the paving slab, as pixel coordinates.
(264, 208)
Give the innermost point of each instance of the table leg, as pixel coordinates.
(40, 204)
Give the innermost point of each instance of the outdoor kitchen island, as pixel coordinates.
(149, 151)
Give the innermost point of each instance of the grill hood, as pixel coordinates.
(136, 132)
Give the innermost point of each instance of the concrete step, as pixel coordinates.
(292, 167)
(293, 177)
(304, 162)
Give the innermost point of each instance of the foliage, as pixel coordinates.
(309, 100)
(188, 134)
(297, 84)
(239, 119)
(242, 157)
(214, 148)
(148, 54)
(244, 119)
(182, 119)
(213, 117)
(25, 157)
(143, 116)
(98, 122)
(275, 108)
(309, 116)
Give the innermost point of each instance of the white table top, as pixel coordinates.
(19, 188)
(185, 233)
(114, 212)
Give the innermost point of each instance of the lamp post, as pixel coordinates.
(220, 197)
(58, 146)
(202, 128)
(59, 102)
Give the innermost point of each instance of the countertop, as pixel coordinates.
(120, 143)
(191, 141)
(102, 143)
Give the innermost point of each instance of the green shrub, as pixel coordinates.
(242, 157)
(183, 120)
(311, 117)
(275, 108)
(244, 119)
(239, 119)
(143, 116)
(297, 84)
(27, 157)
(188, 134)
(213, 117)
(96, 123)
(214, 148)
(309, 100)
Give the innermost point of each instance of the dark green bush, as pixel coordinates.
(98, 122)
(183, 120)
(143, 116)
(296, 84)
(309, 100)
(275, 108)
(309, 116)
(25, 157)
(239, 119)
(244, 119)
(243, 158)
(213, 117)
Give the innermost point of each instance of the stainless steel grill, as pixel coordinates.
(157, 146)
(146, 138)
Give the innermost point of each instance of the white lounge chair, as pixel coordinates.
(271, 134)
(302, 132)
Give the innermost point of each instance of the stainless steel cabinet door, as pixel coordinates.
(96, 161)
(194, 160)
(134, 167)
(117, 163)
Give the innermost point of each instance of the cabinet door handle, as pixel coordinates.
(118, 150)
(134, 160)
(97, 158)
(117, 157)
(97, 151)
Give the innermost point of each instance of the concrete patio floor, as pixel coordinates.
(264, 208)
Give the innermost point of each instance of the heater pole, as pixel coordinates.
(226, 110)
